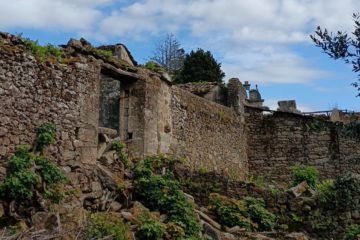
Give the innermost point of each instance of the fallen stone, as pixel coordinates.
(235, 230)
(102, 147)
(206, 218)
(189, 197)
(115, 206)
(296, 236)
(108, 158)
(106, 177)
(299, 189)
(108, 131)
(210, 231)
(127, 216)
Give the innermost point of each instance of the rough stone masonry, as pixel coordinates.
(87, 94)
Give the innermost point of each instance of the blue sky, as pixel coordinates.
(265, 42)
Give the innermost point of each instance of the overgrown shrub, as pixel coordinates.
(249, 212)
(305, 173)
(258, 213)
(352, 232)
(230, 212)
(150, 229)
(163, 193)
(103, 225)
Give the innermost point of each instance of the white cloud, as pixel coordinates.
(253, 38)
(64, 15)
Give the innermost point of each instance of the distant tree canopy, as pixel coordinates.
(341, 46)
(169, 54)
(200, 66)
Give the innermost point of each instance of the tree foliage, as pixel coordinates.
(340, 45)
(200, 66)
(169, 54)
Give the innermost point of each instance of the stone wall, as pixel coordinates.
(210, 135)
(279, 141)
(34, 92)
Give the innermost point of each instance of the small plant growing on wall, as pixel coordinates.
(119, 147)
(32, 177)
(305, 173)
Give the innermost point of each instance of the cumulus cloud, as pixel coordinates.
(64, 15)
(252, 38)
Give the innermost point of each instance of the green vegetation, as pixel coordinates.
(353, 232)
(305, 173)
(163, 193)
(150, 229)
(153, 66)
(119, 147)
(45, 136)
(43, 52)
(326, 190)
(200, 66)
(30, 175)
(341, 46)
(351, 130)
(258, 213)
(347, 188)
(107, 54)
(249, 212)
(230, 212)
(103, 225)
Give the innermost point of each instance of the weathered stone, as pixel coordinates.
(45, 220)
(208, 220)
(128, 216)
(106, 177)
(107, 132)
(108, 158)
(210, 231)
(296, 236)
(115, 206)
(299, 189)
(2, 210)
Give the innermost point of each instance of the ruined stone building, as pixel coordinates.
(216, 127)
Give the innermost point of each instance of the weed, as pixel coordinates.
(103, 225)
(305, 173)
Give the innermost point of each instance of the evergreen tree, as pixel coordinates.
(200, 66)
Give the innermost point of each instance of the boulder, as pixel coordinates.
(106, 177)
